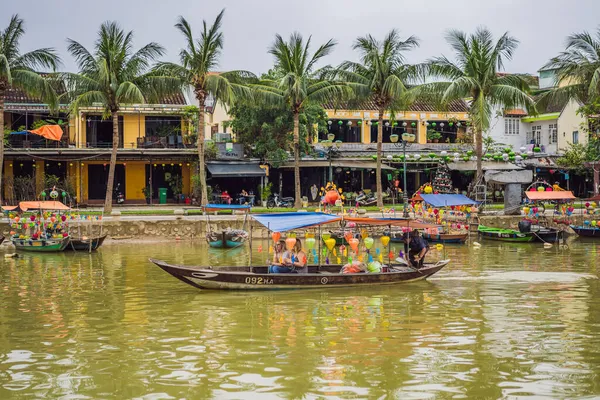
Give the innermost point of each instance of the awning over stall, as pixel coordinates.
(447, 200)
(486, 166)
(289, 221)
(549, 196)
(338, 164)
(235, 170)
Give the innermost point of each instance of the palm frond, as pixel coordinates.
(45, 58)
(35, 84)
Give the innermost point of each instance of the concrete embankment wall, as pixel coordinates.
(192, 228)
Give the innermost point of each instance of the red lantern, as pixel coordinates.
(436, 211)
(331, 197)
(32, 218)
(548, 189)
(348, 236)
(276, 236)
(533, 189)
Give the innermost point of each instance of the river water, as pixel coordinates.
(502, 321)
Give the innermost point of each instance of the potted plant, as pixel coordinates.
(265, 193)
(147, 190)
(433, 136)
(176, 185)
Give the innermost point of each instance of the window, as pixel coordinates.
(553, 133)
(535, 137)
(575, 137)
(511, 126)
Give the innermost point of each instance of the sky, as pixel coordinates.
(249, 26)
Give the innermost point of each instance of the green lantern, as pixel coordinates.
(511, 154)
(465, 158)
(413, 124)
(433, 124)
(402, 158)
(64, 194)
(488, 155)
(44, 194)
(470, 153)
(376, 123)
(395, 124)
(374, 157)
(340, 122)
(359, 122)
(537, 149)
(450, 123)
(511, 158)
(432, 155)
(446, 158)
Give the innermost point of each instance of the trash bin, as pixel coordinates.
(162, 195)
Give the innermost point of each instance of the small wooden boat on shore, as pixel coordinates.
(85, 243)
(547, 234)
(587, 231)
(41, 245)
(257, 278)
(445, 237)
(504, 235)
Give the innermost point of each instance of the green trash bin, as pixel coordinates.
(162, 195)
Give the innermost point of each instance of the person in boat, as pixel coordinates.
(299, 259)
(415, 248)
(278, 264)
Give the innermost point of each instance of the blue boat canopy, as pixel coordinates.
(220, 207)
(447, 200)
(283, 222)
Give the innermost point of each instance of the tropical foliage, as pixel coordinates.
(381, 76)
(21, 71)
(198, 63)
(113, 75)
(296, 82)
(475, 74)
(266, 132)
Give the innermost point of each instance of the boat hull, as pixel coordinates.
(84, 244)
(586, 232)
(246, 279)
(505, 235)
(548, 235)
(225, 239)
(446, 237)
(41, 246)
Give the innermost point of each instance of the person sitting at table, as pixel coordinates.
(278, 265)
(243, 197)
(226, 197)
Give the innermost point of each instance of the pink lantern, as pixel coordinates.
(548, 189)
(32, 218)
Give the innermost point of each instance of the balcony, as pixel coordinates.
(36, 142)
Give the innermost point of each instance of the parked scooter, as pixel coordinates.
(365, 200)
(120, 197)
(276, 201)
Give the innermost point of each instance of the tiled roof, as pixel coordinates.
(175, 99)
(457, 106)
(517, 112)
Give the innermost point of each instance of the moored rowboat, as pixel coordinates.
(86, 244)
(446, 237)
(41, 245)
(228, 239)
(586, 231)
(257, 278)
(504, 235)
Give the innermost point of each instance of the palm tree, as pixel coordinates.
(475, 75)
(577, 70)
(113, 75)
(382, 77)
(20, 71)
(197, 68)
(298, 83)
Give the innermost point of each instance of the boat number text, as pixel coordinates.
(259, 280)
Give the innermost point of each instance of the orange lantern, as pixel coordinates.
(290, 242)
(331, 197)
(353, 242)
(53, 219)
(348, 236)
(17, 219)
(276, 236)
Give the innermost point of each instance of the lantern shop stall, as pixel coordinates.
(39, 226)
(534, 219)
(591, 222)
(360, 268)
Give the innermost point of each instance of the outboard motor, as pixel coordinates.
(524, 226)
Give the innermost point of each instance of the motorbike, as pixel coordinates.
(276, 201)
(120, 197)
(365, 200)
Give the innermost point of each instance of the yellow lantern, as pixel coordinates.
(330, 243)
(385, 240)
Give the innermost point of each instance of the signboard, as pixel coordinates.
(229, 151)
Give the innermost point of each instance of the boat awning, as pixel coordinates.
(486, 166)
(397, 222)
(595, 198)
(221, 207)
(339, 164)
(447, 200)
(38, 205)
(284, 222)
(549, 196)
(235, 170)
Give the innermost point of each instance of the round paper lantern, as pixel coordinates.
(413, 124)
(325, 236)
(548, 189)
(53, 219)
(586, 222)
(385, 240)
(348, 236)
(310, 243)
(587, 205)
(369, 243)
(276, 236)
(594, 223)
(290, 242)
(353, 242)
(533, 189)
(63, 218)
(340, 123)
(526, 210)
(428, 189)
(540, 189)
(331, 197)
(32, 218)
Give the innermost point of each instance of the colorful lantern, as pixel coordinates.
(353, 242)
(368, 243)
(348, 236)
(330, 243)
(310, 243)
(540, 189)
(385, 240)
(325, 236)
(290, 242)
(331, 197)
(276, 236)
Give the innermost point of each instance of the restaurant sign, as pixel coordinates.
(229, 151)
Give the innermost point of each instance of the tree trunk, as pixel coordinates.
(113, 165)
(1, 146)
(479, 155)
(379, 155)
(298, 194)
(200, 143)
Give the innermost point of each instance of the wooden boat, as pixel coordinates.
(504, 235)
(446, 237)
(257, 278)
(41, 245)
(586, 231)
(546, 234)
(396, 237)
(86, 244)
(227, 239)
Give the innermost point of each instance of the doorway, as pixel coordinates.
(98, 179)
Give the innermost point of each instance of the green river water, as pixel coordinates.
(501, 321)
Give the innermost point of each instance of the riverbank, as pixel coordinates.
(153, 227)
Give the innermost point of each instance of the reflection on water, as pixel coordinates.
(502, 321)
